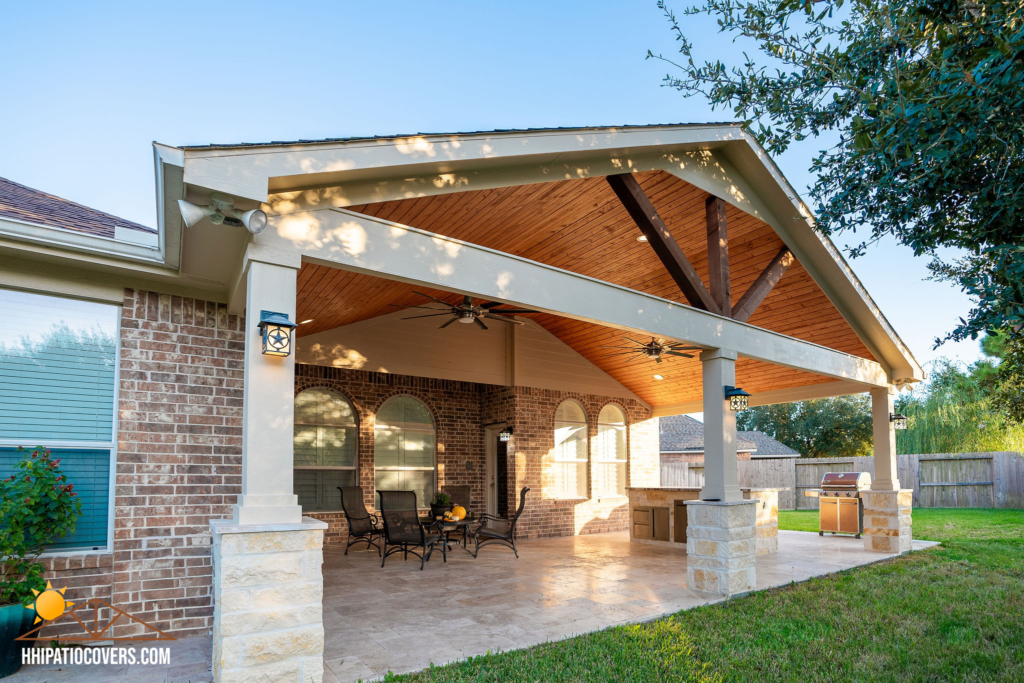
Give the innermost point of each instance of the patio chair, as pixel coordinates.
(402, 528)
(363, 527)
(493, 529)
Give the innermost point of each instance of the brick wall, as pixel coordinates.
(179, 455)
(460, 410)
(86, 577)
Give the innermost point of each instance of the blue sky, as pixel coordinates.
(88, 87)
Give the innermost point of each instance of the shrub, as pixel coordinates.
(38, 506)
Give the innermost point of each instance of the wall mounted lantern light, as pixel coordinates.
(276, 330)
(738, 399)
(898, 421)
(505, 434)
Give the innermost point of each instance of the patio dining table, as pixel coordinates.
(447, 526)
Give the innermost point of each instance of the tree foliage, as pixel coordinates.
(926, 98)
(956, 412)
(820, 428)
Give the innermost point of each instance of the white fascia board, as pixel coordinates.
(45, 236)
(361, 243)
(767, 398)
(793, 221)
(169, 188)
(254, 171)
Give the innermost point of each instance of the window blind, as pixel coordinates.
(89, 471)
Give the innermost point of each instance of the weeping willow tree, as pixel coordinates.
(955, 414)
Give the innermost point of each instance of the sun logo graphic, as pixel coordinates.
(50, 603)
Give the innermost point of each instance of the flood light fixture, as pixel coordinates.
(220, 212)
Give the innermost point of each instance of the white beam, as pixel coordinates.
(384, 249)
(767, 398)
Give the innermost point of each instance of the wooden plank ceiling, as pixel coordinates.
(581, 226)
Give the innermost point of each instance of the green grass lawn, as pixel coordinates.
(951, 613)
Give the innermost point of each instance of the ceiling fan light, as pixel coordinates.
(467, 317)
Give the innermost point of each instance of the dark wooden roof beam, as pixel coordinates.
(665, 246)
(718, 254)
(764, 283)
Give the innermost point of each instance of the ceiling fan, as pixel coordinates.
(656, 348)
(466, 312)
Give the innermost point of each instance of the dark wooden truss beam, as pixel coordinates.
(665, 246)
(718, 254)
(764, 283)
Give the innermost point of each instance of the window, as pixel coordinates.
(570, 465)
(58, 388)
(610, 453)
(325, 449)
(403, 448)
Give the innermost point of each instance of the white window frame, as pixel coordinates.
(561, 461)
(402, 468)
(90, 445)
(317, 468)
(598, 459)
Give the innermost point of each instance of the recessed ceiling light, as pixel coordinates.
(658, 377)
(641, 238)
(306, 321)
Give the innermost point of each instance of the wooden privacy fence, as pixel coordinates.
(948, 480)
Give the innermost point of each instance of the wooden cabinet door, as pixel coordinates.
(660, 524)
(642, 526)
(679, 535)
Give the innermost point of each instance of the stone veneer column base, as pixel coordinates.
(767, 524)
(720, 546)
(887, 521)
(268, 602)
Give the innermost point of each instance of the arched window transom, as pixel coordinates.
(569, 468)
(404, 448)
(610, 453)
(325, 449)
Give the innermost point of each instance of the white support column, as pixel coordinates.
(721, 471)
(887, 507)
(269, 405)
(882, 407)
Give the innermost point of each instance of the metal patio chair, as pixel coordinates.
(363, 527)
(403, 531)
(493, 529)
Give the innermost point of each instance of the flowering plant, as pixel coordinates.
(38, 505)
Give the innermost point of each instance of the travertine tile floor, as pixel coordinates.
(401, 619)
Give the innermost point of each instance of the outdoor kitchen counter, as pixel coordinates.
(657, 516)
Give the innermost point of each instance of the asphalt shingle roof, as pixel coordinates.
(33, 206)
(683, 433)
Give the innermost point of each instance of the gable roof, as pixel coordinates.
(681, 433)
(28, 205)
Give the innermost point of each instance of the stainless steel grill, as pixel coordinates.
(841, 510)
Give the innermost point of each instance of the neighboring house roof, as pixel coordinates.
(683, 434)
(767, 447)
(25, 204)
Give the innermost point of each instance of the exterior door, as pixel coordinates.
(491, 441)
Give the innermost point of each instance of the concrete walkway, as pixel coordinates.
(401, 619)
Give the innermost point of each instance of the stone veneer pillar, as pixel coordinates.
(887, 520)
(766, 532)
(268, 602)
(721, 546)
